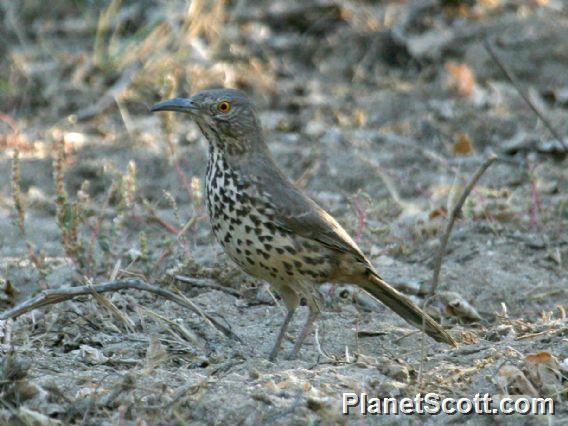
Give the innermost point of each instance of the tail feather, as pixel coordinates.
(406, 309)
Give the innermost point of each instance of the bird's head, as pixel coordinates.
(225, 116)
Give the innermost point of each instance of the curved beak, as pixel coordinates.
(178, 105)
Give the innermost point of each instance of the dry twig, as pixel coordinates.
(49, 297)
(114, 92)
(453, 216)
(154, 217)
(442, 252)
(517, 84)
(205, 282)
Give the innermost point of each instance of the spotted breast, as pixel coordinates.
(242, 220)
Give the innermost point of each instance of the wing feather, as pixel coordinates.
(297, 213)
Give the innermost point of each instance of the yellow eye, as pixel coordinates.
(224, 106)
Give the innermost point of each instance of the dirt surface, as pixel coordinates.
(380, 111)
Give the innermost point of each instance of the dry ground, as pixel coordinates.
(381, 111)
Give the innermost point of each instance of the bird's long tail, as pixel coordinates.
(404, 307)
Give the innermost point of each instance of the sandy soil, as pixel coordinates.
(380, 111)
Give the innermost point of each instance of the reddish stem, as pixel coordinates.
(360, 217)
(535, 198)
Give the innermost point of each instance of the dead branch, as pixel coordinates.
(154, 217)
(308, 173)
(517, 84)
(208, 283)
(52, 296)
(113, 93)
(453, 216)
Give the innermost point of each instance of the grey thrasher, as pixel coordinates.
(271, 229)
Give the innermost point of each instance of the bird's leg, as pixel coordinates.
(306, 329)
(281, 334)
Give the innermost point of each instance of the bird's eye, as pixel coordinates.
(224, 106)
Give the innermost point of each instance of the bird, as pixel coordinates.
(270, 228)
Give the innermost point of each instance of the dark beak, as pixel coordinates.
(178, 105)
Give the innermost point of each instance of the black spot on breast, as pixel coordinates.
(244, 210)
(297, 264)
(249, 260)
(291, 250)
(267, 247)
(242, 185)
(270, 226)
(280, 250)
(255, 220)
(265, 255)
(249, 242)
(310, 246)
(248, 252)
(287, 265)
(312, 274)
(228, 238)
(313, 260)
(248, 229)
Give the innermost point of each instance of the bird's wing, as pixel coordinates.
(299, 214)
